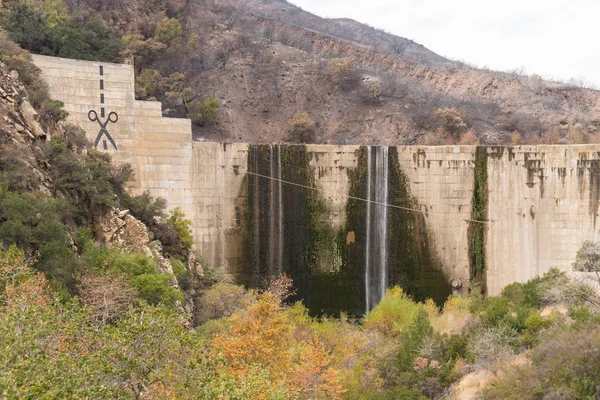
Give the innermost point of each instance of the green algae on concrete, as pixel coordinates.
(413, 263)
(478, 213)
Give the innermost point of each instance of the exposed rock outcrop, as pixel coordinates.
(120, 228)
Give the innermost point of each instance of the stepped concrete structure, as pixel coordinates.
(100, 98)
(540, 202)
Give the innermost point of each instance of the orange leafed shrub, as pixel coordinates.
(263, 336)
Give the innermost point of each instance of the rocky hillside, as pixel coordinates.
(267, 71)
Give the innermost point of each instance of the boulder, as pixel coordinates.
(32, 119)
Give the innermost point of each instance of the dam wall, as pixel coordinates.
(346, 221)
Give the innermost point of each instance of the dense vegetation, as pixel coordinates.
(48, 28)
(55, 346)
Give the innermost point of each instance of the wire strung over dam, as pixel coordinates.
(360, 198)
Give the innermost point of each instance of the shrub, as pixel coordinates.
(371, 90)
(181, 274)
(393, 314)
(565, 366)
(450, 120)
(303, 127)
(221, 300)
(413, 338)
(153, 286)
(55, 110)
(535, 323)
(47, 28)
(168, 31)
(206, 112)
(34, 225)
(148, 84)
(90, 182)
(343, 73)
(108, 296)
(156, 289)
(145, 207)
(454, 317)
(588, 257)
(491, 344)
(469, 139)
(180, 249)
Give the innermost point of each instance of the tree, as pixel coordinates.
(303, 127)
(450, 120)
(168, 31)
(145, 207)
(182, 226)
(108, 296)
(26, 26)
(413, 338)
(205, 112)
(47, 28)
(262, 337)
(588, 257)
(343, 73)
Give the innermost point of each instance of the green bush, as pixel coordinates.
(180, 248)
(168, 31)
(34, 225)
(156, 289)
(181, 273)
(534, 323)
(393, 314)
(412, 339)
(205, 113)
(91, 183)
(145, 207)
(153, 286)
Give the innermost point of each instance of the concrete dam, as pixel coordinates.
(346, 222)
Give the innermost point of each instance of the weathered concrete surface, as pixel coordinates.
(542, 200)
(543, 203)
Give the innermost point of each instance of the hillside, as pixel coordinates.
(340, 28)
(265, 61)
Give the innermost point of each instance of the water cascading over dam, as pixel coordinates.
(376, 196)
(342, 260)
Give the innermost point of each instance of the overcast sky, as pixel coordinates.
(552, 38)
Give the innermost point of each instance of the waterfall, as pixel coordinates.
(368, 231)
(256, 212)
(272, 168)
(376, 275)
(275, 212)
(280, 211)
(381, 216)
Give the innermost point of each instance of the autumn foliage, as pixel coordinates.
(263, 337)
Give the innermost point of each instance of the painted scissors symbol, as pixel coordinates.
(112, 117)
